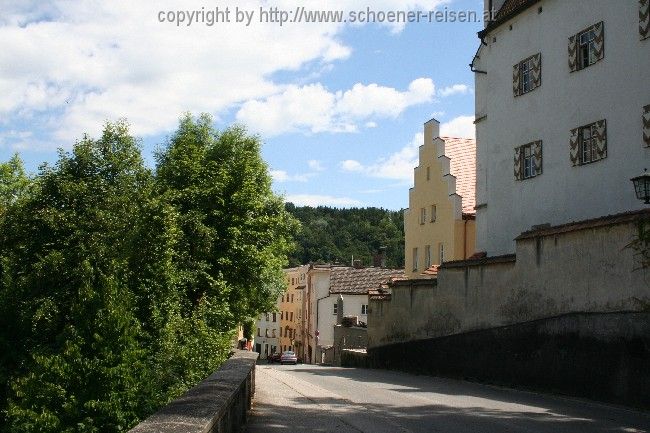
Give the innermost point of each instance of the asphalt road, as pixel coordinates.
(308, 398)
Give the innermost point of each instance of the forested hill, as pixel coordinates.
(331, 235)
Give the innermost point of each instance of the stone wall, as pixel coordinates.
(352, 337)
(575, 268)
(602, 356)
(219, 404)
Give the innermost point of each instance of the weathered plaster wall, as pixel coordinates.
(588, 270)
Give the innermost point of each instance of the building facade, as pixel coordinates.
(439, 224)
(267, 337)
(562, 114)
(291, 310)
(326, 284)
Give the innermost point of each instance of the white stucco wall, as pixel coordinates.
(615, 89)
(327, 319)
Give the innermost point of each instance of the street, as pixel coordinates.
(309, 398)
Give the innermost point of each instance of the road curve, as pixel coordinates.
(308, 398)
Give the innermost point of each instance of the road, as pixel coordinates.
(308, 398)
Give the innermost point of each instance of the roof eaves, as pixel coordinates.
(499, 20)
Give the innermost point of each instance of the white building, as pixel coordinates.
(562, 94)
(267, 336)
(325, 284)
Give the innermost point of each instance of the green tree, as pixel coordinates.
(119, 287)
(236, 234)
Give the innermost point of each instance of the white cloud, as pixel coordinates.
(456, 89)
(371, 125)
(313, 108)
(282, 176)
(321, 200)
(351, 165)
(315, 165)
(398, 166)
(460, 127)
(70, 66)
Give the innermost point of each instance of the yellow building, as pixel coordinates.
(439, 224)
(291, 310)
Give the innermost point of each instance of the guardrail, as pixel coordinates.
(219, 404)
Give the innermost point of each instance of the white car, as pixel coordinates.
(288, 357)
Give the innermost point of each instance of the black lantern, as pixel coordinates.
(642, 186)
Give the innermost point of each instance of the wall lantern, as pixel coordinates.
(642, 186)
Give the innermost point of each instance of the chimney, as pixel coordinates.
(339, 310)
(379, 260)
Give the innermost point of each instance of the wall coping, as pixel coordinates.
(200, 408)
(609, 220)
(508, 258)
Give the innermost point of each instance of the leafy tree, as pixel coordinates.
(336, 235)
(120, 287)
(234, 229)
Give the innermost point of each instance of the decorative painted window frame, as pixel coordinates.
(646, 125)
(598, 49)
(537, 150)
(644, 19)
(575, 143)
(535, 62)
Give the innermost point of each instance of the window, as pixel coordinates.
(423, 215)
(427, 256)
(281, 315)
(441, 248)
(587, 42)
(336, 308)
(272, 333)
(364, 309)
(266, 333)
(588, 143)
(291, 316)
(433, 213)
(267, 317)
(259, 332)
(415, 259)
(527, 75)
(428, 173)
(528, 160)
(282, 298)
(292, 299)
(587, 47)
(274, 317)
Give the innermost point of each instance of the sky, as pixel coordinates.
(339, 106)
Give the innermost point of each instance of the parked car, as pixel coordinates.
(289, 357)
(274, 357)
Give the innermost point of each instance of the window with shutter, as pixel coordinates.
(646, 125)
(587, 47)
(644, 19)
(589, 143)
(528, 160)
(527, 75)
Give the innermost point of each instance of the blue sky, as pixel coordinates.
(340, 108)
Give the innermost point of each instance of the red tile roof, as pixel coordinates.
(462, 152)
(360, 281)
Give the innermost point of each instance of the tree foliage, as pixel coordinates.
(119, 285)
(336, 235)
